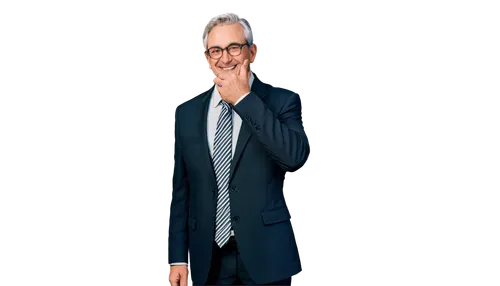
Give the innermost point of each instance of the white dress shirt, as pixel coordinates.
(214, 111)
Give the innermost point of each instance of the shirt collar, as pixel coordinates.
(216, 96)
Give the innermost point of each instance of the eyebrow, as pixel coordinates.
(232, 43)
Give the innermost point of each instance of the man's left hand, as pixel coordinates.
(233, 85)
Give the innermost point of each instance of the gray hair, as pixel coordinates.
(228, 18)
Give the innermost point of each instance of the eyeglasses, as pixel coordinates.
(233, 49)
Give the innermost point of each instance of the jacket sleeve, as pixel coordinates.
(177, 233)
(283, 136)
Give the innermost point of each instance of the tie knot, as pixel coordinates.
(225, 104)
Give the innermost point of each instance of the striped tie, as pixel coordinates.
(222, 162)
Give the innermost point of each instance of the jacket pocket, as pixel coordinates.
(275, 216)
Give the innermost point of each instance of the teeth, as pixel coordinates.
(230, 68)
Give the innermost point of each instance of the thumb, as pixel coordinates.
(244, 69)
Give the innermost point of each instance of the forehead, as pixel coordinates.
(223, 35)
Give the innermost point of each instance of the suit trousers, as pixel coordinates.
(227, 267)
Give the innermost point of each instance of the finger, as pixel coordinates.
(223, 75)
(174, 281)
(218, 81)
(184, 279)
(244, 69)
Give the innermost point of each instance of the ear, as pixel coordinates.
(253, 52)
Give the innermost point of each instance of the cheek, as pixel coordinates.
(213, 67)
(213, 63)
(209, 65)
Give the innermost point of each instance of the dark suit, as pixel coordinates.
(271, 142)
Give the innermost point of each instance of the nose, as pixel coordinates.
(225, 57)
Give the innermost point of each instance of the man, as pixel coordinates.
(233, 145)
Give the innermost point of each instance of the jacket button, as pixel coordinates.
(257, 127)
(236, 218)
(234, 189)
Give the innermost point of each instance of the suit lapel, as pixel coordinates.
(205, 103)
(243, 137)
(245, 132)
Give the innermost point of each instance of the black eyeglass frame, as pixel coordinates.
(207, 52)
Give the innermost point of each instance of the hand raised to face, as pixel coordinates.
(233, 84)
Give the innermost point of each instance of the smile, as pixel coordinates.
(229, 68)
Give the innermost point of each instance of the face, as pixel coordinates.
(222, 36)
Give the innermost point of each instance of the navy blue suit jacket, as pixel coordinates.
(271, 142)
